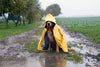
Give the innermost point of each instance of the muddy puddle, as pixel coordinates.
(48, 60)
(52, 59)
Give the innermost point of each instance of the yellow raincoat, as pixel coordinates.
(58, 35)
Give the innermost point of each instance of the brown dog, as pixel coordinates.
(52, 43)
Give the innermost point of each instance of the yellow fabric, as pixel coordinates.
(58, 35)
(49, 17)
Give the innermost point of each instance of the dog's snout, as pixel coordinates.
(48, 24)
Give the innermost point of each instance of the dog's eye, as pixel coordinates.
(48, 24)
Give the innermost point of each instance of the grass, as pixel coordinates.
(99, 54)
(93, 33)
(39, 31)
(72, 55)
(12, 30)
(53, 65)
(32, 47)
(89, 26)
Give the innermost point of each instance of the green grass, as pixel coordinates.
(72, 55)
(89, 26)
(53, 65)
(99, 54)
(39, 31)
(80, 21)
(32, 47)
(93, 33)
(12, 30)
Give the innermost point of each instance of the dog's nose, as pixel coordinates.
(48, 24)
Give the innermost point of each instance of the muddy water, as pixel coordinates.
(49, 60)
(37, 61)
(75, 40)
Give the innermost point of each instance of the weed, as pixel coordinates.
(99, 54)
(53, 65)
(77, 58)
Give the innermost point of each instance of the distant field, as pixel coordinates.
(89, 26)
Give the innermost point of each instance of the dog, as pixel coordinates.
(51, 40)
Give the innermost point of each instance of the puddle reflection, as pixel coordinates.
(37, 61)
(53, 62)
(47, 61)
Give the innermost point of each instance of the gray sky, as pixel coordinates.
(72, 8)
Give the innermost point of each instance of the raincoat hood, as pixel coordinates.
(49, 17)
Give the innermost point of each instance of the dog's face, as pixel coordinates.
(49, 24)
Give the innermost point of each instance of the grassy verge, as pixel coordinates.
(32, 47)
(89, 26)
(12, 30)
(39, 31)
(93, 33)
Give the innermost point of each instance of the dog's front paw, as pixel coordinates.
(57, 51)
(48, 50)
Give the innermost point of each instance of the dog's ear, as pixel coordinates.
(46, 25)
(53, 24)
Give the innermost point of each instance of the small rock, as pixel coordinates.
(87, 65)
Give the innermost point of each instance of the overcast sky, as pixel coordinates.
(72, 8)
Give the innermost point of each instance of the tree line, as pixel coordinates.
(25, 10)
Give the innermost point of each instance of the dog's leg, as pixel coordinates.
(48, 47)
(57, 48)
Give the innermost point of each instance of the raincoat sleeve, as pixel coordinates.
(41, 40)
(63, 41)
